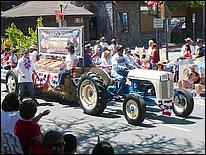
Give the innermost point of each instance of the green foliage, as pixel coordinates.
(195, 4)
(17, 39)
(192, 4)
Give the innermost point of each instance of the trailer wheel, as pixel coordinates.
(134, 109)
(183, 103)
(92, 94)
(11, 82)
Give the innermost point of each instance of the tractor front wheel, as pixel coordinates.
(134, 109)
(183, 103)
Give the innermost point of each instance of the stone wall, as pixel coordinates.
(104, 16)
(105, 22)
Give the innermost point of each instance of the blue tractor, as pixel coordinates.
(141, 88)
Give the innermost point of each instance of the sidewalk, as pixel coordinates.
(173, 51)
(172, 47)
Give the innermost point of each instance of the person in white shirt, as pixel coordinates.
(103, 43)
(150, 49)
(191, 47)
(113, 46)
(120, 64)
(25, 68)
(106, 61)
(98, 50)
(129, 56)
(10, 113)
(33, 53)
(13, 59)
(71, 61)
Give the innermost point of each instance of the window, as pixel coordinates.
(78, 20)
(122, 22)
(178, 23)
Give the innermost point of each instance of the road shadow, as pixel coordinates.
(138, 143)
(158, 144)
(194, 117)
(152, 114)
(168, 120)
(111, 113)
(45, 104)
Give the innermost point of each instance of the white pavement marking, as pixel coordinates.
(174, 127)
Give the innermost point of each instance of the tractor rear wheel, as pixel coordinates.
(92, 94)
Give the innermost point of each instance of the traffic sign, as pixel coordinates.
(158, 23)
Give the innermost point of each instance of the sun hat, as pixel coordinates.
(188, 39)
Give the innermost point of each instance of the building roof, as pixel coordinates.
(44, 8)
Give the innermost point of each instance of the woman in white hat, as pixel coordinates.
(103, 43)
(188, 43)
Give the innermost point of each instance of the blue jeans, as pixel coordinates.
(121, 76)
(30, 89)
(61, 76)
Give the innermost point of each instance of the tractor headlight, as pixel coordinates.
(164, 77)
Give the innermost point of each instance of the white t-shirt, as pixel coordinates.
(27, 72)
(119, 62)
(130, 59)
(8, 121)
(104, 45)
(33, 56)
(70, 60)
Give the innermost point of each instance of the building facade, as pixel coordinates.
(121, 20)
(129, 22)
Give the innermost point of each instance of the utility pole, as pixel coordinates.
(193, 26)
(166, 31)
(60, 23)
(157, 32)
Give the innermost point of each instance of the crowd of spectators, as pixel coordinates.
(19, 117)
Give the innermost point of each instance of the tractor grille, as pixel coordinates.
(166, 88)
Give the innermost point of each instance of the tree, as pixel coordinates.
(192, 4)
(17, 39)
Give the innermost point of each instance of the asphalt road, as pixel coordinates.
(158, 135)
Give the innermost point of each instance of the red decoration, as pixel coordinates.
(151, 3)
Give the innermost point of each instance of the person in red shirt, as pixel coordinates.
(25, 129)
(52, 143)
(187, 52)
(154, 57)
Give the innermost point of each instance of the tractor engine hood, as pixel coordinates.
(144, 74)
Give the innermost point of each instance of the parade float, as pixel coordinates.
(92, 88)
